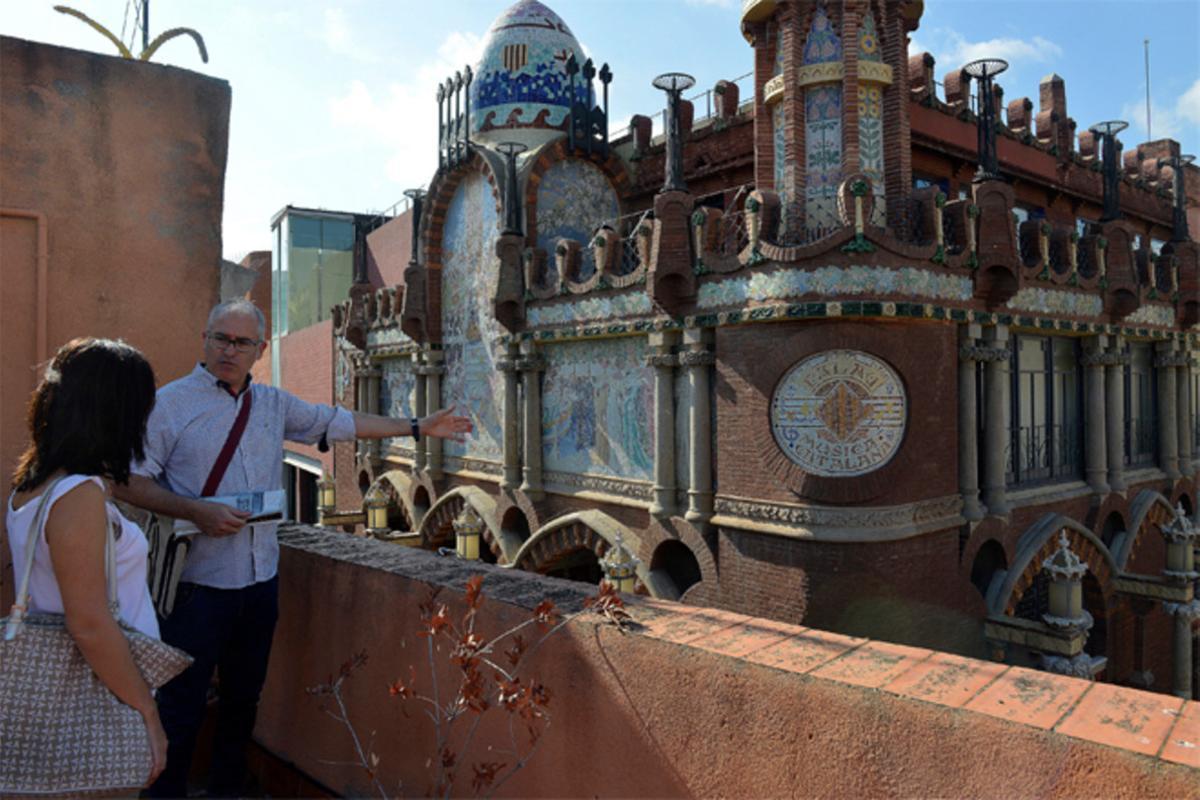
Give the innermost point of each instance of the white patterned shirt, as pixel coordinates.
(186, 432)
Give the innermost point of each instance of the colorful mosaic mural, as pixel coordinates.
(573, 200)
(469, 273)
(598, 409)
(823, 43)
(822, 131)
(521, 90)
(779, 141)
(870, 114)
(343, 377)
(388, 336)
(1056, 301)
(840, 413)
(633, 304)
(834, 281)
(1152, 315)
(398, 388)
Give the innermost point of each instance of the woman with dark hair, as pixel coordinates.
(87, 420)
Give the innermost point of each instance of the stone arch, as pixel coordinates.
(441, 193)
(590, 530)
(674, 568)
(437, 526)
(1112, 529)
(555, 152)
(399, 488)
(1149, 509)
(1035, 546)
(515, 522)
(989, 562)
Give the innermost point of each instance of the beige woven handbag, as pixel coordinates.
(61, 730)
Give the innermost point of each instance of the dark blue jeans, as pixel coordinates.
(228, 630)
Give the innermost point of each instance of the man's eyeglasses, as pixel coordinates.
(239, 343)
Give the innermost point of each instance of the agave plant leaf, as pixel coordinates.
(165, 36)
(121, 48)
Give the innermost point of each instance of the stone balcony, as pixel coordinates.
(697, 701)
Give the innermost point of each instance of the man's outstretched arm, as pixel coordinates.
(444, 424)
(213, 519)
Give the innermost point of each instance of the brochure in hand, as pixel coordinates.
(262, 507)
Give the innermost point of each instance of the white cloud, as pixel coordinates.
(1189, 104)
(337, 30)
(717, 3)
(400, 118)
(1166, 121)
(958, 50)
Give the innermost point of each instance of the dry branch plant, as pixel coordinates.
(489, 676)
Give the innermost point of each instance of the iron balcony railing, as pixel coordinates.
(1042, 453)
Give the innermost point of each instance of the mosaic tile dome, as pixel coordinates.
(520, 92)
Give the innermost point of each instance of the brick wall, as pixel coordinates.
(751, 362)
(693, 702)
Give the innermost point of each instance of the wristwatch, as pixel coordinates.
(416, 429)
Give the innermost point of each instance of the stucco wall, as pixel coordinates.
(112, 185)
(699, 702)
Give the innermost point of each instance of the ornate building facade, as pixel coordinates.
(873, 356)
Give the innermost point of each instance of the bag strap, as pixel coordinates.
(231, 443)
(21, 602)
(21, 605)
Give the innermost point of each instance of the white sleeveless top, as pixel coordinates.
(131, 550)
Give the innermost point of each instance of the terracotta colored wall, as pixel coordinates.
(389, 249)
(699, 702)
(306, 370)
(124, 164)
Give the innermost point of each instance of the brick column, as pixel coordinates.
(663, 360)
(1114, 407)
(1094, 424)
(968, 449)
(531, 364)
(698, 360)
(995, 357)
(1168, 437)
(851, 161)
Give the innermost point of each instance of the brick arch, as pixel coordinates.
(1149, 509)
(441, 193)
(555, 152)
(437, 527)
(398, 488)
(582, 530)
(1038, 542)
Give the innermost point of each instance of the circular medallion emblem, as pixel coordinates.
(839, 413)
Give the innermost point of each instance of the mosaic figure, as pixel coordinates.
(469, 274)
(598, 409)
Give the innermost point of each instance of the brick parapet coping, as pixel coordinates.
(1148, 724)
(1151, 724)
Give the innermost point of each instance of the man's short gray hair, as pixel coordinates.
(238, 306)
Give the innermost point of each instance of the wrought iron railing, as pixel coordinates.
(1040, 453)
(1141, 441)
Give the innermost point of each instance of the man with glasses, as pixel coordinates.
(227, 601)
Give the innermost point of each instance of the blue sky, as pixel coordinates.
(333, 102)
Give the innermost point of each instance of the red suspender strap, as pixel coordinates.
(231, 443)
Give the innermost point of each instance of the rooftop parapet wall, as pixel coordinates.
(1048, 128)
(703, 702)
